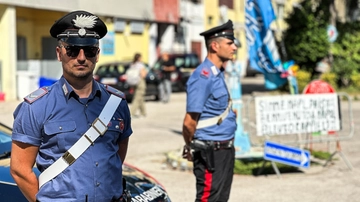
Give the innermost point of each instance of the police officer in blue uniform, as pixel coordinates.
(77, 130)
(209, 124)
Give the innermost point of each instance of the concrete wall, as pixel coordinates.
(8, 52)
(193, 15)
(166, 11)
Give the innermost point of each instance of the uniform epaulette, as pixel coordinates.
(115, 91)
(32, 97)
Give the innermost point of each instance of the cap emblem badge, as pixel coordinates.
(83, 22)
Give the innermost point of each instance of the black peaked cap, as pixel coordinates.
(225, 30)
(79, 28)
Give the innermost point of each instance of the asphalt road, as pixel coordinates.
(160, 132)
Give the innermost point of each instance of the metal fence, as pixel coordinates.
(304, 140)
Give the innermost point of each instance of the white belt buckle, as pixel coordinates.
(99, 126)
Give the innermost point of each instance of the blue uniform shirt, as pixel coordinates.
(54, 122)
(207, 94)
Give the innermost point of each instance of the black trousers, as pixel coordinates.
(214, 186)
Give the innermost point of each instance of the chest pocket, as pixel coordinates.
(219, 99)
(60, 133)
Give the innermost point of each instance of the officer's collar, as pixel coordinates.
(69, 92)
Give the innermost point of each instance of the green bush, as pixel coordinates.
(303, 78)
(306, 39)
(355, 80)
(253, 166)
(344, 68)
(346, 52)
(330, 78)
(347, 45)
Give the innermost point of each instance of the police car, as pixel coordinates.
(141, 185)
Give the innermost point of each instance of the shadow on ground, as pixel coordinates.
(177, 132)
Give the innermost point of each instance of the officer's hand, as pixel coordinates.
(235, 111)
(187, 153)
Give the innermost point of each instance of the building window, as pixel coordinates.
(196, 1)
(21, 48)
(119, 25)
(209, 20)
(137, 27)
(228, 3)
(48, 45)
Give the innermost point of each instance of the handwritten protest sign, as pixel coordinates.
(293, 114)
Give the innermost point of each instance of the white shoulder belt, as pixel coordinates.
(214, 120)
(98, 128)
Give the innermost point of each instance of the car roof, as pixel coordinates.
(114, 63)
(181, 55)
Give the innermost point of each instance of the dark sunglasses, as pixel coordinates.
(73, 51)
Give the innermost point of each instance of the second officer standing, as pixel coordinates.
(209, 124)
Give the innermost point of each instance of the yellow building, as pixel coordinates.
(218, 12)
(29, 50)
(32, 28)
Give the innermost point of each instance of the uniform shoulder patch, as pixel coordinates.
(205, 72)
(32, 97)
(115, 91)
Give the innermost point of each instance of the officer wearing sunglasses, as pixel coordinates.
(53, 124)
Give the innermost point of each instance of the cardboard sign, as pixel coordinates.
(293, 114)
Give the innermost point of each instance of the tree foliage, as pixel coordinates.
(347, 45)
(346, 52)
(306, 38)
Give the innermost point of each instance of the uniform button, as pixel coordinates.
(97, 184)
(86, 105)
(60, 128)
(89, 124)
(97, 163)
(117, 126)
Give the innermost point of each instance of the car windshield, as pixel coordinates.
(189, 61)
(181, 61)
(111, 70)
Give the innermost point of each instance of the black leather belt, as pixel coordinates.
(204, 144)
(223, 144)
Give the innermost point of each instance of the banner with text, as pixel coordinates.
(293, 114)
(261, 44)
